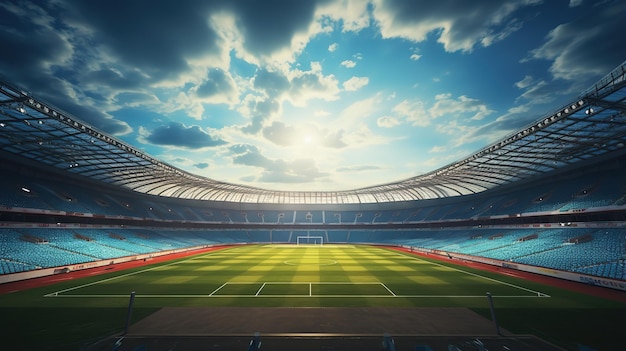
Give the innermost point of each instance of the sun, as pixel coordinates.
(308, 139)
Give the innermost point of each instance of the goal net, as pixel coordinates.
(310, 240)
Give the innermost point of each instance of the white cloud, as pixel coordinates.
(313, 84)
(526, 82)
(413, 112)
(348, 63)
(415, 57)
(437, 149)
(333, 47)
(354, 14)
(446, 105)
(387, 122)
(575, 3)
(355, 83)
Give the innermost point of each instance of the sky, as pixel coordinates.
(309, 95)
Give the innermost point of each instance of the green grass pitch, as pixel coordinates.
(288, 275)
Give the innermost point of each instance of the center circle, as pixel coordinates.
(305, 262)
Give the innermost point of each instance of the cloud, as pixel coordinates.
(275, 170)
(445, 104)
(388, 122)
(281, 134)
(413, 112)
(459, 25)
(159, 42)
(178, 135)
(285, 135)
(348, 63)
(32, 45)
(296, 86)
(201, 165)
(334, 140)
(579, 50)
(360, 168)
(333, 47)
(415, 57)
(218, 87)
(536, 91)
(271, 27)
(272, 83)
(352, 14)
(313, 84)
(437, 149)
(575, 3)
(355, 83)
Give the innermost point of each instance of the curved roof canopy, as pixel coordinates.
(592, 125)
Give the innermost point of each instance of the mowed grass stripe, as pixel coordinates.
(211, 274)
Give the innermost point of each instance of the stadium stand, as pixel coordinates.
(568, 215)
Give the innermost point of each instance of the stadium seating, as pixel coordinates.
(602, 255)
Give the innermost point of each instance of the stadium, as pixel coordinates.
(105, 247)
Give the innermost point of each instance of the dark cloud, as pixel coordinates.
(30, 45)
(97, 118)
(273, 83)
(269, 25)
(177, 134)
(276, 171)
(155, 37)
(459, 25)
(261, 111)
(218, 82)
(114, 79)
(201, 165)
(583, 50)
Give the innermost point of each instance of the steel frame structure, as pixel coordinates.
(593, 125)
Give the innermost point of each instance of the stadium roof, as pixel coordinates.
(592, 125)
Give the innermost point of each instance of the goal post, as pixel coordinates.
(310, 240)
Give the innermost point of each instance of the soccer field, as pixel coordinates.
(287, 272)
(72, 311)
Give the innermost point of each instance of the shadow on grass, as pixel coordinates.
(62, 328)
(599, 328)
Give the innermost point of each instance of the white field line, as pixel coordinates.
(302, 295)
(123, 275)
(216, 290)
(259, 291)
(327, 283)
(385, 286)
(310, 294)
(540, 294)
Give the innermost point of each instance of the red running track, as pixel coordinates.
(43, 281)
(588, 289)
